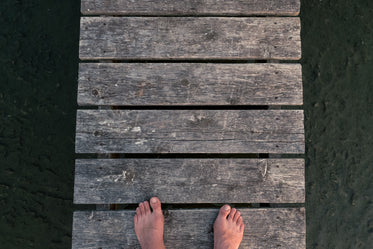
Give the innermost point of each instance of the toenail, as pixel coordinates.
(226, 208)
(154, 201)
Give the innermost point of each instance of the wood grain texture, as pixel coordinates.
(185, 229)
(147, 84)
(189, 131)
(189, 38)
(190, 7)
(189, 180)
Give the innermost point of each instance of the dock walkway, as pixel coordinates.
(197, 102)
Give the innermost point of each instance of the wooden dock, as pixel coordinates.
(197, 102)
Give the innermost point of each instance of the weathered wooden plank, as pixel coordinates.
(189, 180)
(189, 38)
(191, 7)
(189, 131)
(264, 228)
(189, 84)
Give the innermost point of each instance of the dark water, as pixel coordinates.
(337, 63)
(38, 75)
(38, 80)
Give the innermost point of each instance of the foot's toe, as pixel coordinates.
(146, 207)
(236, 216)
(142, 208)
(135, 219)
(232, 213)
(138, 212)
(242, 227)
(240, 221)
(224, 211)
(155, 203)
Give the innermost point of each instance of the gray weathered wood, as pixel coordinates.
(189, 131)
(189, 38)
(190, 7)
(189, 84)
(185, 229)
(189, 180)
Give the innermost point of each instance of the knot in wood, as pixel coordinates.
(95, 92)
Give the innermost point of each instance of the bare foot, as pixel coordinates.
(228, 228)
(149, 224)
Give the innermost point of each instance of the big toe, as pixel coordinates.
(224, 211)
(155, 203)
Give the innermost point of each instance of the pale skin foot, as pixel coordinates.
(228, 228)
(149, 224)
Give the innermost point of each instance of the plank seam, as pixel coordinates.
(192, 206)
(206, 61)
(189, 107)
(204, 15)
(191, 155)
